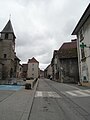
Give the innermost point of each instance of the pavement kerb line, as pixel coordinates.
(33, 98)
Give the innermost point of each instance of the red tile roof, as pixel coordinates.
(33, 60)
(68, 50)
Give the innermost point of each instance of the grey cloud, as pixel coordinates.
(41, 25)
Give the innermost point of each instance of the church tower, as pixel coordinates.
(7, 50)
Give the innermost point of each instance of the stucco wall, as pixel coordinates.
(33, 70)
(69, 70)
(84, 66)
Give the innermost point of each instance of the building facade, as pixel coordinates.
(41, 74)
(65, 63)
(55, 66)
(82, 30)
(24, 70)
(33, 68)
(68, 62)
(48, 72)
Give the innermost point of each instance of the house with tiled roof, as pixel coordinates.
(65, 63)
(68, 62)
(33, 68)
(82, 31)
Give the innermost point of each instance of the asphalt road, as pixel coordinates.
(58, 101)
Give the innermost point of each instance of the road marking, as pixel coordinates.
(47, 94)
(87, 91)
(39, 93)
(81, 93)
(71, 93)
(78, 93)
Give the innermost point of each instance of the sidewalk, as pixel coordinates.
(17, 105)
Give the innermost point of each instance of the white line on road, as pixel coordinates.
(87, 91)
(78, 93)
(71, 93)
(81, 93)
(38, 94)
(47, 94)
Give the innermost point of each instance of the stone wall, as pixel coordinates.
(69, 70)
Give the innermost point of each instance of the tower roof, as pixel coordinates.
(8, 28)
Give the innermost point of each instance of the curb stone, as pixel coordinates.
(26, 115)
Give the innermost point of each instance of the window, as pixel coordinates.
(6, 36)
(5, 55)
(32, 64)
(32, 75)
(32, 69)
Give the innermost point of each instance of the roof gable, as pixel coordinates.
(33, 60)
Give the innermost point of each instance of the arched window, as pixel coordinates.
(6, 36)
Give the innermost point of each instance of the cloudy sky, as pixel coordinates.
(41, 26)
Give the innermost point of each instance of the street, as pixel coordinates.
(58, 101)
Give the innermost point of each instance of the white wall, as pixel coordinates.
(33, 70)
(84, 66)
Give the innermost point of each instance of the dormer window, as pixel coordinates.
(6, 36)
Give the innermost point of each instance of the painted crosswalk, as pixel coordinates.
(73, 93)
(78, 93)
(50, 94)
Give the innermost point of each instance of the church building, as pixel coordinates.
(8, 59)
